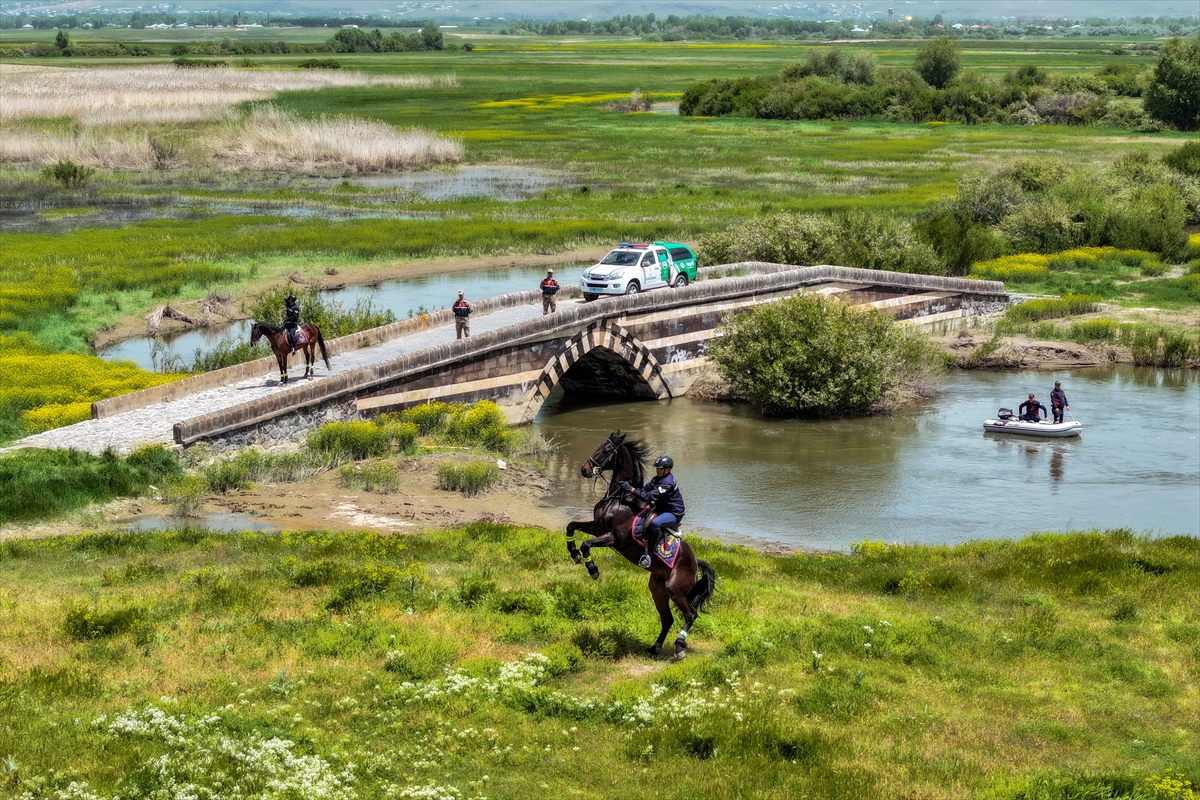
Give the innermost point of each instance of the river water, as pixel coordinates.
(416, 295)
(929, 475)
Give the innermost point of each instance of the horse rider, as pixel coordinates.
(291, 319)
(549, 288)
(1028, 410)
(1058, 402)
(663, 495)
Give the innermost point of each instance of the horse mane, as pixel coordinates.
(268, 328)
(640, 451)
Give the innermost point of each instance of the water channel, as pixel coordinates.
(930, 475)
(401, 296)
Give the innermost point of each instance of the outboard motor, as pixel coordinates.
(1004, 413)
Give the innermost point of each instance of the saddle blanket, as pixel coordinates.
(301, 338)
(668, 547)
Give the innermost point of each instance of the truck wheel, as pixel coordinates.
(587, 298)
(633, 288)
(681, 281)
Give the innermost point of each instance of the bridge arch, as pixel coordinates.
(604, 350)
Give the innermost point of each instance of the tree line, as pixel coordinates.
(840, 85)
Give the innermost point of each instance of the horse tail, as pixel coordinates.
(324, 354)
(703, 588)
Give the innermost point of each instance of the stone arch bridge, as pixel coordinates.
(650, 345)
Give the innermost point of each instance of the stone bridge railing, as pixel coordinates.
(764, 279)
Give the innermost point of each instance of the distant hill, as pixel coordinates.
(465, 11)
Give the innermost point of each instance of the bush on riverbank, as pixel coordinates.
(1132, 213)
(297, 655)
(810, 355)
(37, 484)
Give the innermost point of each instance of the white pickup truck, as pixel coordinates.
(633, 268)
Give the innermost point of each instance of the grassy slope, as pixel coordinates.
(1063, 658)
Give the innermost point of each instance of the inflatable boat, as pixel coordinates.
(1010, 424)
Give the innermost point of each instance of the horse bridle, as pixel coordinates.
(604, 464)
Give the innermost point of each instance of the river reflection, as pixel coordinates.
(928, 475)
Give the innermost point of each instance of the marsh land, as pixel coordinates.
(470, 658)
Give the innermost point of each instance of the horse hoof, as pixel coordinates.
(578, 558)
(680, 650)
(655, 650)
(595, 573)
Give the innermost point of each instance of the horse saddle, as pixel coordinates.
(667, 550)
(299, 338)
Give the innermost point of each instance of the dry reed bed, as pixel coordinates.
(119, 108)
(166, 94)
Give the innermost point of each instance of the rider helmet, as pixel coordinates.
(663, 462)
(291, 298)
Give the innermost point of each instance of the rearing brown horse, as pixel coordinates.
(283, 348)
(611, 526)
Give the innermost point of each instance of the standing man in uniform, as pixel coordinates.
(462, 316)
(1058, 401)
(549, 290)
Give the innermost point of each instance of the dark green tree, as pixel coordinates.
(1173, 95)
(62, 41)
(939, 61)
(431, 37)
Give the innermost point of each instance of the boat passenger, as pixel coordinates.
(1058, 401)
(662, 493)
(1029, 410)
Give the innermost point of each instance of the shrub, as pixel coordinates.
(352, 440)
(1024, 268)
(1094, 330)
(200, 63)
(1151, 218)
(429, 417)
(811, 355)
(420, 656)
(471, 479)
(185, 495)
(854, 239)
(361, 583)
(380, 478)
(1159, 347)
(1036, 174)
(83, 621)
(480, 425)
(35, 484)
(331, 316)
(68, 174)
(1185, 159)
(320, 63)
(1052, 307)
(1046, 225)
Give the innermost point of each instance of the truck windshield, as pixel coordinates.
(622, 258)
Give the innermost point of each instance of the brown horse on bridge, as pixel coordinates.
(282, 348)
(688, 584)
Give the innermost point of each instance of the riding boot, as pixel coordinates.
(651, 541)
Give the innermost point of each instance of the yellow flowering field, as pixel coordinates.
(49, 390)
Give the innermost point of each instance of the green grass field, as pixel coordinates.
(522, 101)
(372, 666)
